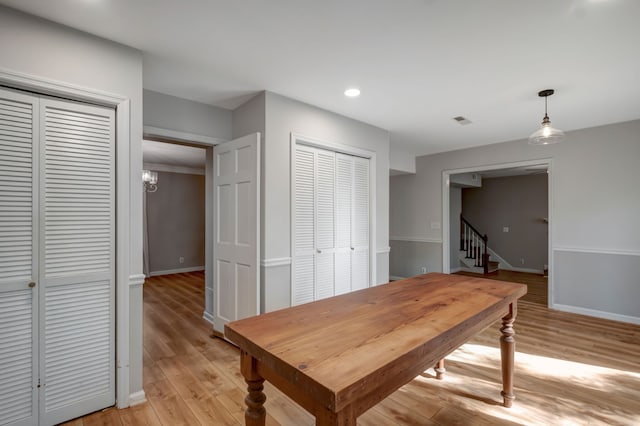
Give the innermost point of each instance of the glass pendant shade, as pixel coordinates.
(546, 134)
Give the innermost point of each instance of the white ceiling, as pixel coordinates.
(418, 62)
(173, 154)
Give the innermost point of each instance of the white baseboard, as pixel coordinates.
(176, 271)
(137, 398)
(596, 313)
(529, 270)
(395, 278)
(207, 317)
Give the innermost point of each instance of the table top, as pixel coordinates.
(342, 347)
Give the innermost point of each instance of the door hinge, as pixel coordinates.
(38, 383)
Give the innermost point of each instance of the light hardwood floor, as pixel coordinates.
(570, 370)
(537, 285)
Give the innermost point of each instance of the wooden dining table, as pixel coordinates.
(340, 356)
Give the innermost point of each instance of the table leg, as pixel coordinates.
(440, 370)
(256, 414)
(345, 417)
(507, 352)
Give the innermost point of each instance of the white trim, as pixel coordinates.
(207, 317)
(527, 270)
(417, 240)
(276, 261)
(503, 264)
(137, 398)
(136, 280)
(384, 250)
(446, 261)
(396, 278)
(175, 135)
(598, 251)
(173, 169)
(18, 80)
(124, 170)
(299, 139)
(176, 271)
(596, 313)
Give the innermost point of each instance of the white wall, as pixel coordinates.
(45, 50)
(594, 208)
(455, 209)
(284, 116)
(401, 160)
(182, 115)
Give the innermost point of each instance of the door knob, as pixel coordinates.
(32, 284)
(318, 251)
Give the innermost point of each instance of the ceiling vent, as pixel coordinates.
(461, 120)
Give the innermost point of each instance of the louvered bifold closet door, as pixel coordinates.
(77, 269)
(344, 172)
(18, 264)
(325, 222)
(360, 225)
(303, 265)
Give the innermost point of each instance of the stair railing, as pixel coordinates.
(474, 244)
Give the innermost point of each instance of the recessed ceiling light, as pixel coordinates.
(352, 92)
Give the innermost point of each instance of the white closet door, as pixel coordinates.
(77, 270)
(325, 222)
(360, 225)
(18, 265)
(344, 188)
(303, 286)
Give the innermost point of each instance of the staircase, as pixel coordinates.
(473, 252)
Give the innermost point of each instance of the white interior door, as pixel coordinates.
(344, 195)
(330, 212)
(18, 259)
(77, 259)
(360, 271)
(57, 268)
(236, 230)
(304, 207)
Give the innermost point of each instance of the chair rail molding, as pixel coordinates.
(275, 261)
(416, 239)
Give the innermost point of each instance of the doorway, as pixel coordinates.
(174, 204)
(498, 225)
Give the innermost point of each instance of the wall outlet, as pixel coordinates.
(423, 270)
(505, 229)
(181, 259)
(435, 225)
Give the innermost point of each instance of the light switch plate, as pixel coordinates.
(435, 225)
(505, 229)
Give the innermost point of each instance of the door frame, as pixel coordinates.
(446, 237)
(127, 282)
(299, 139)
(206, 142)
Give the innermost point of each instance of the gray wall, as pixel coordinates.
(519, 203)
(170, 112)
(276, 117)
(175, 220)
(36, 47)
(594, 209)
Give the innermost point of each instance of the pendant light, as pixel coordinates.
(546, 134)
